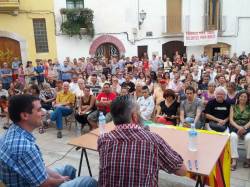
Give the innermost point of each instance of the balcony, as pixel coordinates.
(9, 6)
(218, 24)
(77, 21)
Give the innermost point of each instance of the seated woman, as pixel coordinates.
(87, 105)
(209, 94)
(231, 93)
(240, 128)
(34, 90)
(47, 96)
(168, 113)
(13, 90)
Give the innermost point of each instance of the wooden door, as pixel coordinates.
(9, 49)
(174, 16)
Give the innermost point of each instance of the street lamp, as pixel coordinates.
(142, 17)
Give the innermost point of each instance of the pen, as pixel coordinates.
(189, 164)
(196, 164)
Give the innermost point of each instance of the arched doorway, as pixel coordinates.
(170, 48)
(107, 46)
(107, 50)
(9, 49)
(221, 48)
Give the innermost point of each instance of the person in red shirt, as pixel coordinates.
(103, 101)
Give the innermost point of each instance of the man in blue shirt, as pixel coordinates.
(21, 162)
(39, 69)
(66, 70)
(6, 76)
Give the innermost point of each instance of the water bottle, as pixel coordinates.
(78, 130)
(102, 123)
(192, 135)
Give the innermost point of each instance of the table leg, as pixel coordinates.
(87, 160)
(199, 182)
(80, 165)
(222, 174)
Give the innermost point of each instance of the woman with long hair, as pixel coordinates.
(141, 79)
(115, 86)
(231, 92)
(240, 128)
(21, 76)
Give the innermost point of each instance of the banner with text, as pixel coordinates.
(200, 38)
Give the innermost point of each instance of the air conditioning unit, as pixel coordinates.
(149, 34)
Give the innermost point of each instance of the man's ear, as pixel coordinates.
(24, 116)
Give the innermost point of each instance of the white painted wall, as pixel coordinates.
(118, 16)
(195, 10)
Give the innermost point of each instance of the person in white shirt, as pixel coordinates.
(146, 104)
(73, 86)
(154, 63)
(175, 84)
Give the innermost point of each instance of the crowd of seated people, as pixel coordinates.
(213, 93)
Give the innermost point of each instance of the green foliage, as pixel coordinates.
(74, 19)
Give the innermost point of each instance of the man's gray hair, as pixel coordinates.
(220, 89)
(65, 83)
(122, 108)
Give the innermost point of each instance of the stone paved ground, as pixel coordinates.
(53, 149)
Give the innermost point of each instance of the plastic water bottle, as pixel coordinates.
(102, 123)
(192, 135)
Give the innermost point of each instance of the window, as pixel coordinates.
(40, 34)
(75, 3)
(213, 18)
(174, 16)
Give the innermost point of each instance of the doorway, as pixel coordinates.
(216, 50)
(141, 50)
(9, 49)
(107, 50)
(170, 48)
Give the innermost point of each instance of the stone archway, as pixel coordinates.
(171, 47)
(105, 39)
(22, 42)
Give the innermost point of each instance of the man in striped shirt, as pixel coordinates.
(132, 156)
